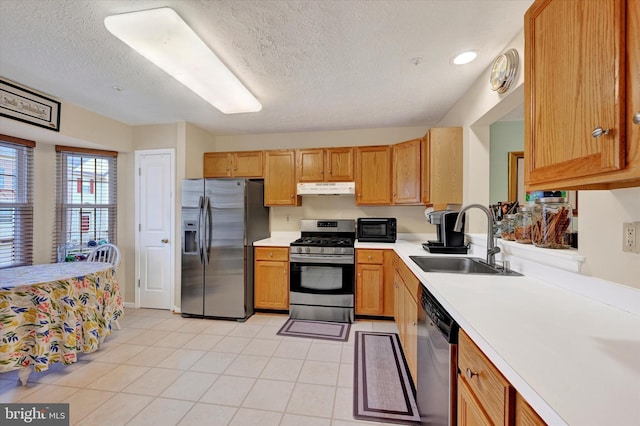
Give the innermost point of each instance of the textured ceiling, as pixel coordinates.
(314, 65)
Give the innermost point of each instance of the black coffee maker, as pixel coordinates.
(449, 241)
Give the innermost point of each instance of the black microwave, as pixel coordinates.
(377, 229)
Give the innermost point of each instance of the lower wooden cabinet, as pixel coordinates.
(470, 412)
(271, 278)
(406, 287)
(482, 389)
(525, 415)
(374, 282)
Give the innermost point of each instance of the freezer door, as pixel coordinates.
(224, 276)
(192, 272)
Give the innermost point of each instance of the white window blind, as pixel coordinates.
(86, 207)
(16, 201)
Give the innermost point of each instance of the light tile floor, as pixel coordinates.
(162, 369)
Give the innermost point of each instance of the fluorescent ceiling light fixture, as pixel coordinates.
(161, 36)
(465, 57)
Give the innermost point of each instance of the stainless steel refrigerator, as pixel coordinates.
(221, 218)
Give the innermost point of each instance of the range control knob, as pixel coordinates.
(307, 249)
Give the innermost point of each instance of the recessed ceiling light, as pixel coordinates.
(161, 36)
(465, 57)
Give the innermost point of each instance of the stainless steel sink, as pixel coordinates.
(459, 265)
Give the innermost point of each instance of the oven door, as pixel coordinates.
(321, 275)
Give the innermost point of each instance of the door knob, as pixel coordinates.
(165, 241)
(636, 118)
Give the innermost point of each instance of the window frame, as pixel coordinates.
(69, 241)
(21, 208)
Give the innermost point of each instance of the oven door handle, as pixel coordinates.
(328, 259)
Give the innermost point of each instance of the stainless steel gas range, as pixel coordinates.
(322, 271)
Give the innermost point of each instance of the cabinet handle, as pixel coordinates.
(235, 168)
(291, 195)
(165, 240)
(321, 172)
(470, 373)
(370, 257)
(636, 118)
(271, 254)
(599, 131)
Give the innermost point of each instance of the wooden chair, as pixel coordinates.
(107, 253)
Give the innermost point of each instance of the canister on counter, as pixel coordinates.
(523, 225)
(552, 218)
(506, 230)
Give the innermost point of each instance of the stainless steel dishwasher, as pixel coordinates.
(437, 362)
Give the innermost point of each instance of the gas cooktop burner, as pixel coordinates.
(324, 242)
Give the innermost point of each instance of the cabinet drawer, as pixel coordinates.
(369, 256)
(487, 384)
(272, 253)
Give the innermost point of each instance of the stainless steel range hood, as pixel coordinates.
(327, 188)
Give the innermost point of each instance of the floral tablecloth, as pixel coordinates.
(51, 312)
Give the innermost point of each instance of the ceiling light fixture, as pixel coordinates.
(161, 36)
(465, 57)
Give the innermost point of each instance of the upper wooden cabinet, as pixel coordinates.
(280, 179)
(582, 90)
(442, 167)
(406, 172)
(325, 165)
(373, 175)
(233, 164)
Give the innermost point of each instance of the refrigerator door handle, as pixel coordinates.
(208, 233)
(200, 239)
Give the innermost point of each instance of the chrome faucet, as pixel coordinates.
(491, 247)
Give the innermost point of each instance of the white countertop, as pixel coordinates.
(576, 360)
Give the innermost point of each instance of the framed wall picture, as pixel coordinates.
(24, 105)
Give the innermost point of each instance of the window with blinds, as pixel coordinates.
(86, 206)
(16, 201)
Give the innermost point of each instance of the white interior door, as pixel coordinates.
(155, 213)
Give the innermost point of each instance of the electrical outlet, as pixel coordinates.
(630, 236)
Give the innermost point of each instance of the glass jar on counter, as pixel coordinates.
(506, 230)
(523, 225)
(551, 221)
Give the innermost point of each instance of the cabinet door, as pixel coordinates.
(398, 304)
(279, 179)
(339, 164)
(271, 285)
(406, 172)
(389, 257)
(442, 167)
(525, 415)
(369, 289)
(247, 164)
(572, 89)
(217, 164)
(310, 165)
(373, 175)
(470, 413)
(411, 333)
(633, 82)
